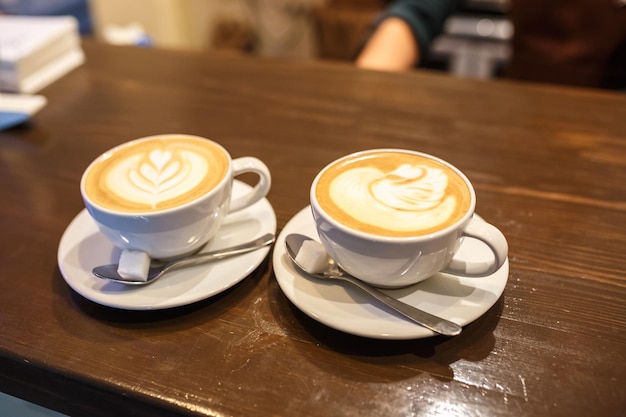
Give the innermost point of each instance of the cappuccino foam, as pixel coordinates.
(394, 194)
(155, 174)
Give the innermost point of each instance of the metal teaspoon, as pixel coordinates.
(293, 243)
(156, 271)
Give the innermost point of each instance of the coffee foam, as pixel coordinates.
(393, 194)
(156, 174)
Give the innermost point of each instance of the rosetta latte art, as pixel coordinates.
(159, 176)
(410, 198)
(156, 173)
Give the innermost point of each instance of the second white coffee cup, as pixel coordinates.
(394, 217)
(167, 195)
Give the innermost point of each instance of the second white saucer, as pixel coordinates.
(461, 300)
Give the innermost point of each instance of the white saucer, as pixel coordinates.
(83, 247)
(348, 309)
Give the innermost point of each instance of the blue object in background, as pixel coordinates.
(77, 8)
(9, 119)
(14, 407)
(16, 109)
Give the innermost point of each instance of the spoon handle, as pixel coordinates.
(431, 322)
(202, 258)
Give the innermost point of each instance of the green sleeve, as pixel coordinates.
(425, 17)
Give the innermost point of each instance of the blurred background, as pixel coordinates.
(475, 42)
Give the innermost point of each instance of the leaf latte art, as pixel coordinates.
(156, 177)
(393, 194)
(156, 174)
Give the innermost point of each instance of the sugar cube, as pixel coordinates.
(312, 257)
(134, 265)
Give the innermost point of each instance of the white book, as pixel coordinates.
(47, 74)
(35, 51)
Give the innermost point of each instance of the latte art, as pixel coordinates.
(409, 188)
(156, 174)
(393, 194)
(156, 177)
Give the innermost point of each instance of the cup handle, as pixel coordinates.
(251, 164)
(492, 237)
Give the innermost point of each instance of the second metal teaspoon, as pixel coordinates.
(293, 243)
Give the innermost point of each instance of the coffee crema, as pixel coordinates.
(393, 194)
(155, 173)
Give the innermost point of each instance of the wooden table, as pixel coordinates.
(549, 168)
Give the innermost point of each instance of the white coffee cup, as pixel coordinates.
(394, 217)
(167, 195)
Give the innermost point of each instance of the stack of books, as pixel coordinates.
(36, 51)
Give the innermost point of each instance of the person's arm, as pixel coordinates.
(404, 34)
(392, 47)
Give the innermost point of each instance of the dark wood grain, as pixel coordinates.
(549, 168)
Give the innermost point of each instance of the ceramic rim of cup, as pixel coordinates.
(153, 213)
(371, 236)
